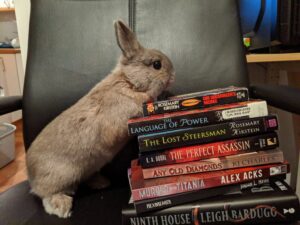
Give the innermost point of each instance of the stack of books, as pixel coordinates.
(208, 157)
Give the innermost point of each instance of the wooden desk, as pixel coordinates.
(281, 69)
(9, 50)
(280, 57)
(5, 10)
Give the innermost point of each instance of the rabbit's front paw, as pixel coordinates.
(155, 89)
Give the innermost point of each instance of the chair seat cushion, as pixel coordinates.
(18, 206)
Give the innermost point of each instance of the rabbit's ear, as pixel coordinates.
(126, 39)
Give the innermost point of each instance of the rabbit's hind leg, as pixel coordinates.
(58, 204)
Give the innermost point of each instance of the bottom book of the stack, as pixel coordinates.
(274, 202)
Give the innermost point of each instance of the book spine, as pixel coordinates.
(196, 119)
(273, 210)
(195, 102)
(210, 150)
(208, 180)
(214, 164)
(210, 133)
(149, 205)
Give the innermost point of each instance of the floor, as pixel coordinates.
(15, 172)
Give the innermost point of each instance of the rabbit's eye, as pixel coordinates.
(156, 65)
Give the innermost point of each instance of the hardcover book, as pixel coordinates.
(158, 187)
(210, 133)
(209, 150)
(196, 118)
(269, 204)
(197, 100)
(214, 164)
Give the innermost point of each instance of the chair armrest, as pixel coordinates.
(10, 104)
(282, 97)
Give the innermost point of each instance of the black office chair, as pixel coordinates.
(72, 47)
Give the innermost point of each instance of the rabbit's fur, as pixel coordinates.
(85, 137)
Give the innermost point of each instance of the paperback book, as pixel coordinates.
(197, 117)
(209, 150)
(268, 204)
(214, 164)
(158, 187)
(197, 100)
(154, 204)
(210, 133)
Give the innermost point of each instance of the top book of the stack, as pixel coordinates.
(197, 100)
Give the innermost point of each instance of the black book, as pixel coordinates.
(197, 100)
(210, 133)
(197, 117)
(271, 203)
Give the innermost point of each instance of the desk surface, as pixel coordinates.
(9, 50)
(7, 10)
(280, 57)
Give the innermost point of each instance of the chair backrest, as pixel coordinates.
(72, 47)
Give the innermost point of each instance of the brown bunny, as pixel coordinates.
(85, 137)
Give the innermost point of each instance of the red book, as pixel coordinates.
(158, 187)
(214, 164)
(209, 150)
